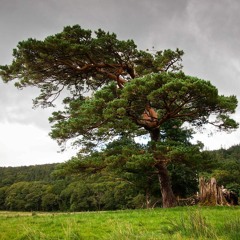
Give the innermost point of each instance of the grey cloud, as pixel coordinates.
(218, 22)
(16, 107)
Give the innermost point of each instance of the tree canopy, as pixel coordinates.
(76, 60)
(112, 89)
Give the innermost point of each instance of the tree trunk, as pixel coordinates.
(168, 198)
(210, 194)
(148, 201)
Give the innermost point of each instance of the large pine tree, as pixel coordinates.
(129, 91)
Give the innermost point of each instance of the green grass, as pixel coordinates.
(176, 223)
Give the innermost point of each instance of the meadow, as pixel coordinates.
(175, 223)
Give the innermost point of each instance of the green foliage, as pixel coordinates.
(123, 178)
(3, 197)
(172, 95)
(67, 60)
(132, 165)
(50, 202)
(24, 196)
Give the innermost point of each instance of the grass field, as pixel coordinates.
(176, 223)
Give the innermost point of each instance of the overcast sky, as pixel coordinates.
(208, 31)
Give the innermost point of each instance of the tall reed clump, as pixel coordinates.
(31, 234)
(71, 231)
(231, 228)
(192, 225)
(129, 231)
(68, 231)
(122, 233)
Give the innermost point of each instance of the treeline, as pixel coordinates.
(10, 175)
(54, 187)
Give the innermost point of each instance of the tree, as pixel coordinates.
(2, 197)
(50, 202)
(130, 92)
(16, 196)
(33, 198)
(124, 166)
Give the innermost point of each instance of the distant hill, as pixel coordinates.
(10, 175)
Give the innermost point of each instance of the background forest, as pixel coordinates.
(73, 186)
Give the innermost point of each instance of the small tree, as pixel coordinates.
(129, 91)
